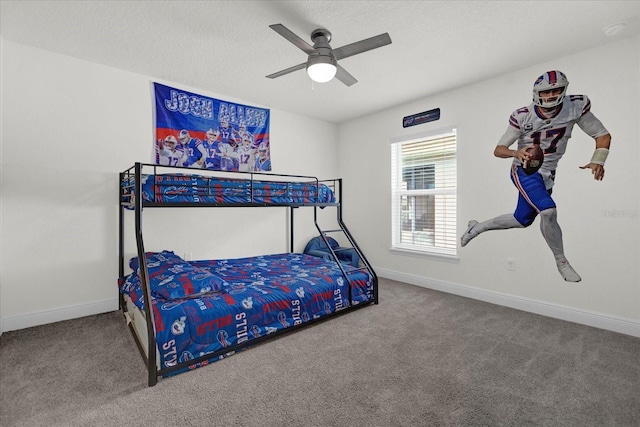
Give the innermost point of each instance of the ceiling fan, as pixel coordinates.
(322, 62)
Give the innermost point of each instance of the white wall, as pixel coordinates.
(68, 128)
(600, 220)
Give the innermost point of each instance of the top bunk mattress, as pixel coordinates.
(198, 189)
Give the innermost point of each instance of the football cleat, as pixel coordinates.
(567, 272)
(468, 235)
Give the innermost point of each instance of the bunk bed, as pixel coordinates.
(202, 311)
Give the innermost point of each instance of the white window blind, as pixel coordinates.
(424, 182)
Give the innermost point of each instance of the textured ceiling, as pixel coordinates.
(227, 47)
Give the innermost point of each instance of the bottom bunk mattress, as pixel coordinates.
(201, 307)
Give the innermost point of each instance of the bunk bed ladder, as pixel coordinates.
(344, 231)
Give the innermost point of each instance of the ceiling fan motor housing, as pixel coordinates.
(323, 53)
(321, 38)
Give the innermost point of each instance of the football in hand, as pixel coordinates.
(534, 163)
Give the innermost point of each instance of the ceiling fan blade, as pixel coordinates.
(362, 46)
(288, 70)
(344, 76)
(293, 38)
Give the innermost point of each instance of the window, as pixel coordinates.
(423, 169)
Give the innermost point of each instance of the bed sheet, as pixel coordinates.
(258, 296)
(179, 188)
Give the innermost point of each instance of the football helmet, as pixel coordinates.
(171, 140)
(548, 81)
(184, 136)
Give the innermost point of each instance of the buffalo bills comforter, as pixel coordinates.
(178, 188)
(200, 307)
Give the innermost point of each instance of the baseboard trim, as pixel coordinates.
(29, 320)
(596, 320)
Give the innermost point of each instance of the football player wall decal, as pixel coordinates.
(546, 125)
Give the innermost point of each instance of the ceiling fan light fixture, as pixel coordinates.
(321, 68)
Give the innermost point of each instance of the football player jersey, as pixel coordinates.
(171, 158)
(528, 126)
(246, 159)
(212, 156)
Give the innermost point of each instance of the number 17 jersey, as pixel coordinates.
(528, 125)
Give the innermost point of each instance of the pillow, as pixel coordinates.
(171, 277)
(156, 258)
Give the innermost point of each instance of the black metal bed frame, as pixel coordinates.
(135, 174)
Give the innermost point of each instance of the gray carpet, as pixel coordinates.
(419, 358)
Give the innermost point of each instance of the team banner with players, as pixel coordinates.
(205, 133)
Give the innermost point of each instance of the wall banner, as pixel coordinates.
(205, 133)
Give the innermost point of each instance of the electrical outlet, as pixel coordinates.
(511, 264)
(188, 256)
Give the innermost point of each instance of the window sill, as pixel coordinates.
(424, 254)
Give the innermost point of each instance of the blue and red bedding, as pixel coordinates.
(200, 307)
(179, 188)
